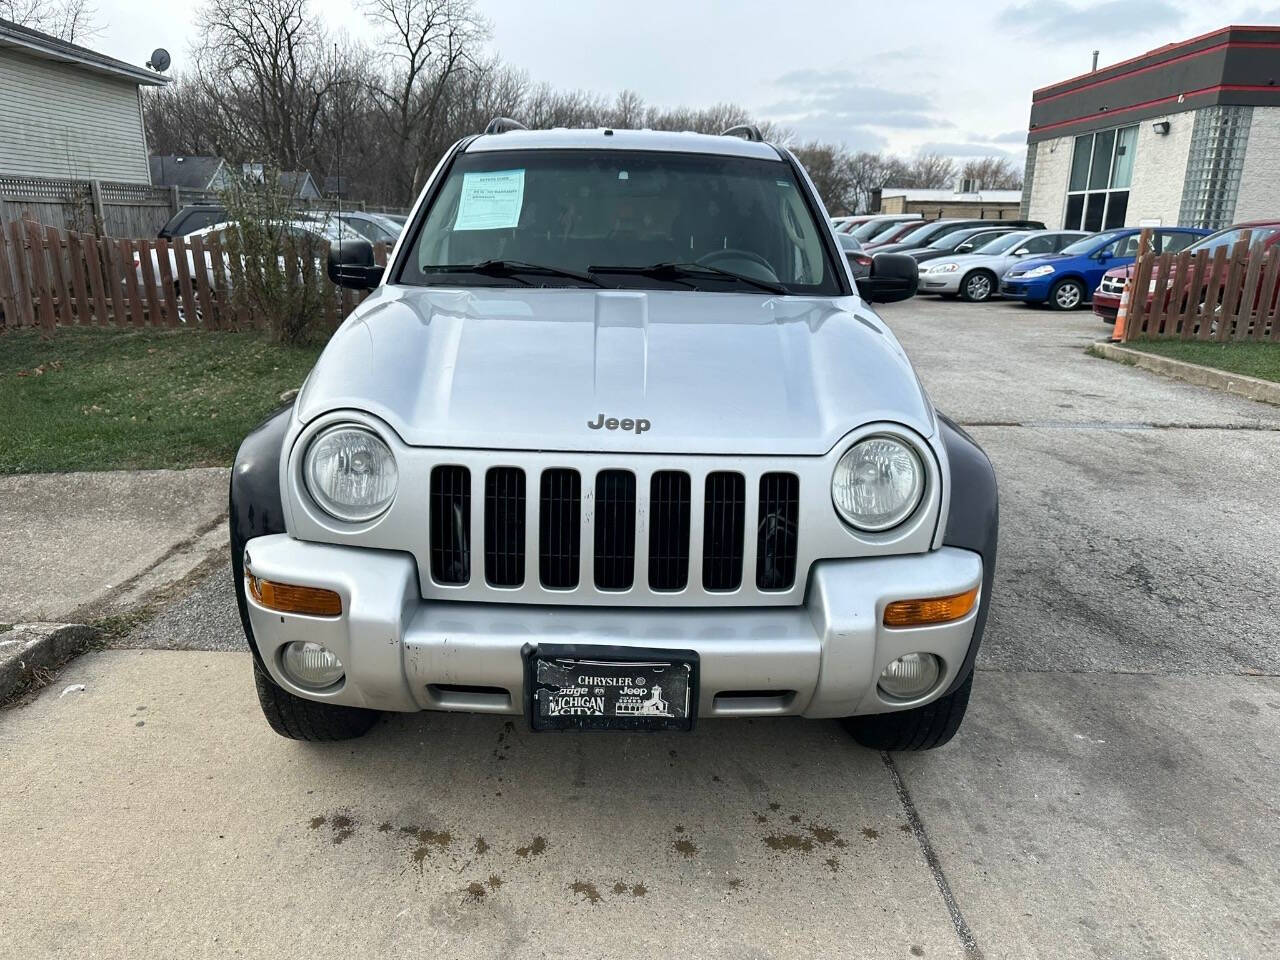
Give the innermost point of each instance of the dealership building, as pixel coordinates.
(1186, 134)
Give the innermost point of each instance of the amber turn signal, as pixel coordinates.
(921, 613)
(288, 598)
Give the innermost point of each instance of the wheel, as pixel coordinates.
(978, 286)
(921, 728)
(300, 719)
(1066, 295)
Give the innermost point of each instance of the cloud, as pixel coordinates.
(1011, 136)
(1258, 16)
(968, 150)
(837, 105)
(1059, 20)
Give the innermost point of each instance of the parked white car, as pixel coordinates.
(976, 276)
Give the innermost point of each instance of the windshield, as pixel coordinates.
(873, 228)
(586, 211)
(919, 236)
(953, 240)
(1001, 244)
(1229, 236)
(1085, 244)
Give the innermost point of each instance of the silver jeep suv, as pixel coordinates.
(615, 442)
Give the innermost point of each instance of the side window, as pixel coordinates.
(1062, 239)
(1039, 245)
(1173, 242)
(1126, 246)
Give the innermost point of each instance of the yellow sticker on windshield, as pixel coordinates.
(490, 200)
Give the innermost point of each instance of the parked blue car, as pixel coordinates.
(1066, 280)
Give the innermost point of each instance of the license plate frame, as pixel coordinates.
(657, 667)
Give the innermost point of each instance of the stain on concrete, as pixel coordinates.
(1244, 707)
(316, 823)
(481, 847)
(917, 950)
(788, 842)
(343, 828)
(760, 817)
(775, 807)
(429, 841)
(825, 835)
(639, 889)
(494, 882)
(794, 818)
(679, 828)
(870, 833)
(384, 827)
(586, 890)
(536, 847)
(734, 883)
(685, 847)
(619, 888)
(833, 863)
(475, 892)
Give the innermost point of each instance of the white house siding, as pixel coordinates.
(1049, 185)
(57, 120)
(1259, 195)
(1160, 170)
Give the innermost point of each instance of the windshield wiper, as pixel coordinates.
(512, 268)
(686, 271)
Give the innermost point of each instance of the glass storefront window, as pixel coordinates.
(1101, 172)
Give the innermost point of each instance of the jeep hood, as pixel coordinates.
(529, 369)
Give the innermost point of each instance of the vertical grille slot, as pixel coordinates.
(724, 509)
(559, 528)
(504, 527)
(776, 535)
(669, 530)
(450, 524)
(615, 526)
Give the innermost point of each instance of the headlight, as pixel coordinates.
(945, 268)
(350, 473)
(1041, 271)
(878, 483)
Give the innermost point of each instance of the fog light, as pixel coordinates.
(311, 665)
(911, 676)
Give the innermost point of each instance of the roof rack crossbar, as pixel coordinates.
(747, 131)
(504, 125)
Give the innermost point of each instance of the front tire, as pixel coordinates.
(920, 728)
(978, 286)
(300, 719)
(1066, 294)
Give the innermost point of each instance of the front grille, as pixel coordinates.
(615, 523)
(669, 530)
(1112, 285)
(450, 519)
(776, 535)
(559, 529)
(724, 509)
(504, 526)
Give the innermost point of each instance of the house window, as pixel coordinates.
(1218, 141)
(1101, 171)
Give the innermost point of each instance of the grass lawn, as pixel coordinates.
(1261, 360)
(88, 399)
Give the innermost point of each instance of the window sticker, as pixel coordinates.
(490, 200)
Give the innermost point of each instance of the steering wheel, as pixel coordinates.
(708, 259)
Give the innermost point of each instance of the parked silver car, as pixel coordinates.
(975, 276)
(615, 443)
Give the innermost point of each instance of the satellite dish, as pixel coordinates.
(159, 61)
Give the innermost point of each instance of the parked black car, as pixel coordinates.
(958, 242)
(193, 217)
(936, 229)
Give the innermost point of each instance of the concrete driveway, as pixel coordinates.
(1112, 794)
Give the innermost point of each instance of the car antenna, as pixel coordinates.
(342, 135)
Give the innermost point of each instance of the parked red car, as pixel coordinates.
(1106, 299)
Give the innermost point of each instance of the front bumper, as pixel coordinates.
(821, 659)
(940, 283)
(1106, 305)
(1033, 291)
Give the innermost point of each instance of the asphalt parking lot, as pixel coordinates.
(1113, 792)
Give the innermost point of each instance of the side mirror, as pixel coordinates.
(1021, 252)
(1103, 256)
(351, 264)
(893, 277)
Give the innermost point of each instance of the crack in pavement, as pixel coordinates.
(967, 940)
(1121, 425)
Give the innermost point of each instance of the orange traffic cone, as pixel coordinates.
(1122, 315)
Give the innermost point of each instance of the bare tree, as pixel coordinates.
(994, 173)
(69, 20)
(930, 171)
(427, 44)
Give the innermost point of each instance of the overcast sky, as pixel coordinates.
(951, 77)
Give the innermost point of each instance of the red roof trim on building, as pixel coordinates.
(1272, 44)
(1151, 103)
(1151, 53)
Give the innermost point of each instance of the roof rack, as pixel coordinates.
(504, 125)
(747, 131)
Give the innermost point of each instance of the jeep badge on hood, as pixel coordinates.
(613, 423)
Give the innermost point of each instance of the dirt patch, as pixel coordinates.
(475, 892)
(685, 847)
(481, 847)
(788, 842)
(533, 849)
(586, 890)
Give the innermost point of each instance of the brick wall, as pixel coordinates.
(1049, 186)
(1159, 170)
(1259, 195)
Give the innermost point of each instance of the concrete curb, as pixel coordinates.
(1249, 387)
(38, 646)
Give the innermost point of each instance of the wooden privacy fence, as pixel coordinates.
(1220, 295)
(51, 277)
